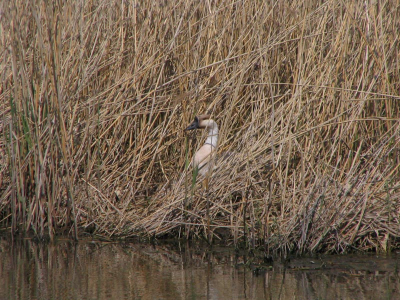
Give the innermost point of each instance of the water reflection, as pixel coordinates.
(88, 270)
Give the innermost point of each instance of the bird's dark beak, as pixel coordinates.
(193, 125)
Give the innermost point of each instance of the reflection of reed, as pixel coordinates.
(134, 271)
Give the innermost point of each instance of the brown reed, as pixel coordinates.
(95, 96)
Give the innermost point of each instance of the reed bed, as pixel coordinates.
(95, 96)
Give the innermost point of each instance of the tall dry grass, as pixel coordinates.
(95, 96)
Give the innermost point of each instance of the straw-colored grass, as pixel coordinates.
(95, 96)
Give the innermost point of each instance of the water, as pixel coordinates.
(93, 270)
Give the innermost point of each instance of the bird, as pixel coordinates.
(203, 159)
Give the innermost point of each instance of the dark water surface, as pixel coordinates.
(93, 270)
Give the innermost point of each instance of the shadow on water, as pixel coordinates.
(93, 270)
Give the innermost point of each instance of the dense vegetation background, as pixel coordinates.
(95, 96)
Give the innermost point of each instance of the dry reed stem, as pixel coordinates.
(95, 97)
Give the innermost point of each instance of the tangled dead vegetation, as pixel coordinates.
(95, 96)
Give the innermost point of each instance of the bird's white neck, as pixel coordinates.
(212, 138)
